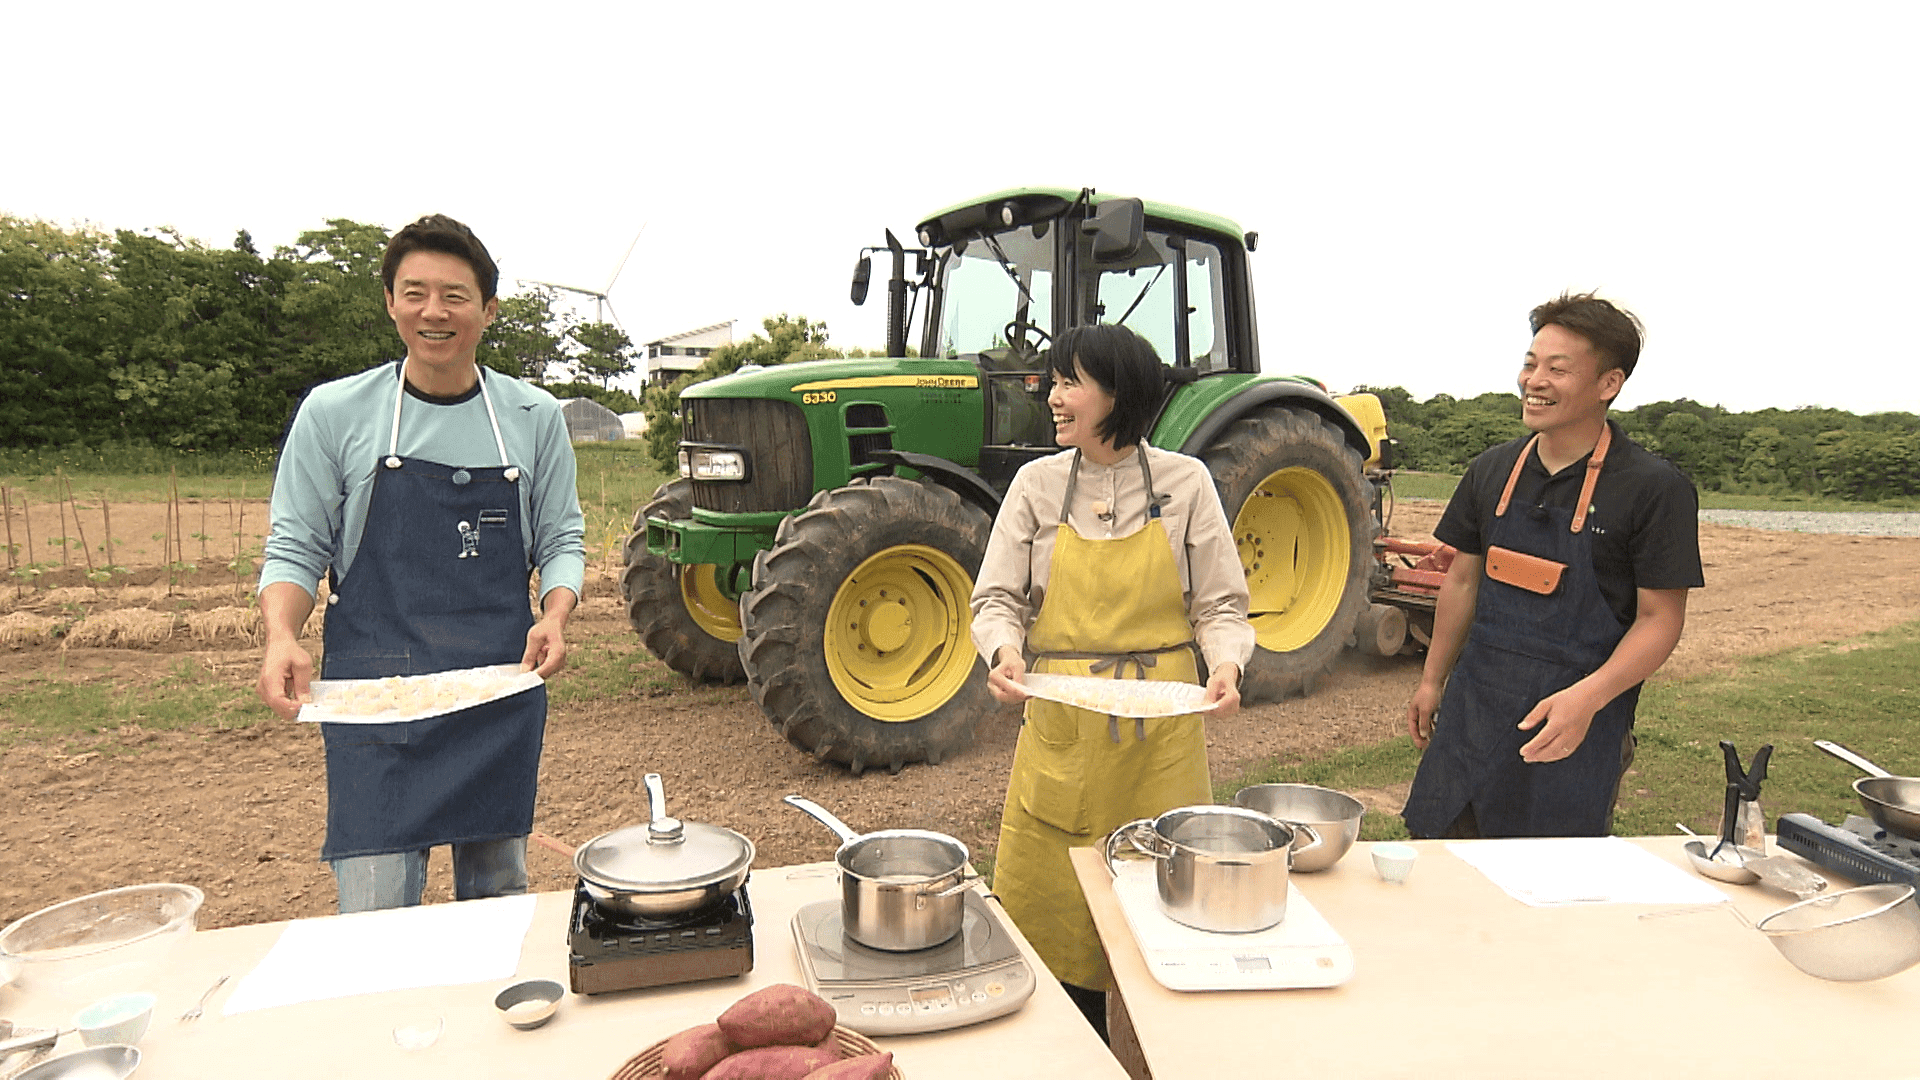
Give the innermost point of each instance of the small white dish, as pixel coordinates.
(121, 1019)
(415, 1030)
(1393, 862)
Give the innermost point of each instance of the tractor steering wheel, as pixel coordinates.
(1017, 334)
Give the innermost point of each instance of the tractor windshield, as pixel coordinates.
(997, 297)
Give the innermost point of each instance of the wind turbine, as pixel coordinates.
(600, 298)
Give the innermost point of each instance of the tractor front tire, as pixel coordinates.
(679, 611)
(855, 636)
(1297, 496)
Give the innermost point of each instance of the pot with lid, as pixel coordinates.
(1218, 868)
(900, 889)
(664, 868)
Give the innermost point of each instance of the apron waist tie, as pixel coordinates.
(1141, 659)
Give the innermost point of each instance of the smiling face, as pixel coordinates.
(1079, 406)
(436, 306)
(1561, 384)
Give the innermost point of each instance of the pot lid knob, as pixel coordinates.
(662, 828)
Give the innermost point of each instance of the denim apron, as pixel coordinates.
(1524, 646)
(440, 583)
(1111, 605)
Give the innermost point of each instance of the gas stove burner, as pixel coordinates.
(618, 951)
(1856, 848)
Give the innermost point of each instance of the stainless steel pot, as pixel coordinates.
(1219, 868)
(1334, 815)
(1892, 801)
(664, 868)
(900, 889)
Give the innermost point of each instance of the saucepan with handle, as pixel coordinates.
(1892, 801)
(900, 889)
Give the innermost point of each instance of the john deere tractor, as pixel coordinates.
(823, 539)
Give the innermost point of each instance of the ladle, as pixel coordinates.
(1780, 872)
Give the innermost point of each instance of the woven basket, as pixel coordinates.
(647, 1064)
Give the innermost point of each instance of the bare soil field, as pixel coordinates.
(239, 810)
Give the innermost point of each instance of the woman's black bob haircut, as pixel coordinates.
(1124, 365)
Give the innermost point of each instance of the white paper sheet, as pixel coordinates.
(399, 949)
(1583, 870)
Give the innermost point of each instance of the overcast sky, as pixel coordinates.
(1741, 175)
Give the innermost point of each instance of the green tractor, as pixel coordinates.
(823, 541)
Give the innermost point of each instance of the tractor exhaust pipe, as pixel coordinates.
(897, 299)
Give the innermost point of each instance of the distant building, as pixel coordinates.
(590, 421)
(676, 354)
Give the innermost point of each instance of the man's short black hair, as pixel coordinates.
(1613, 332)
(438, 232)
(1124, 365)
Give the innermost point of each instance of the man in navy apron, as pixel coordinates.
(1576, 551)
(426, 491)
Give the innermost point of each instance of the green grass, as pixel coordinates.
(48, 709)
(1424, 485)
(615, 480)
(1857, 692)
(612, 667)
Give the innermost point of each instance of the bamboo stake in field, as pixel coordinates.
(167, 547)
(57, 478)
(27, 512)
(82, 530)
(203, 530)
(107, 519)
(6, 501)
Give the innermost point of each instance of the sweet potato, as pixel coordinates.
(864, 1067)
(772, 1063)
(780, 1015)
(691, 1053)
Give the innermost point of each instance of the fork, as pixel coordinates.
(194, 1013)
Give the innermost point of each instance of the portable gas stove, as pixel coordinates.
(976, 975)
(1856, 847)
(615, 951)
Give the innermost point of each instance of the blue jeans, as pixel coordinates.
(481, 868)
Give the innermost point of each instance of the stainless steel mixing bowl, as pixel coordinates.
(1334, 815)
(1869, 932)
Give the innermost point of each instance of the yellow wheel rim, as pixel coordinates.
(896, 634)
(713, 611)
(1296, 549)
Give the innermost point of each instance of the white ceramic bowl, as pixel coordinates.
(122, 1018)
(1393, 862)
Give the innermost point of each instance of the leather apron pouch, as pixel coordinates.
(1523, 571)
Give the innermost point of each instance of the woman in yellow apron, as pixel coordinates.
(1109, 558)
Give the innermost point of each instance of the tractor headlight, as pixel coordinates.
(713, 464)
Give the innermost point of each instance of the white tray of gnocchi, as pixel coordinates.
(1119, 697)
(400, 698)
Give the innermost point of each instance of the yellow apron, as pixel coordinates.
(1078, 775)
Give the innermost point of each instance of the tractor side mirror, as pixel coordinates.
(862, 274)
(1116, 227)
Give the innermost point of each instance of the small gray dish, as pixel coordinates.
(529, 1003)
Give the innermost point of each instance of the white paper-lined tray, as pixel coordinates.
(397, 699)
(1119, 697)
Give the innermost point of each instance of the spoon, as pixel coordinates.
(31, 1042)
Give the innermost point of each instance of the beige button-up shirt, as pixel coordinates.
(1110, 502)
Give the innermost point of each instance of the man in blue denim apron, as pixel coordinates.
(1576, 551)
(427, 525)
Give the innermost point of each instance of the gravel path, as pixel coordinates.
(1851, 523)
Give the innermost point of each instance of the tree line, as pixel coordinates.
(1809, 451)
(154, 339)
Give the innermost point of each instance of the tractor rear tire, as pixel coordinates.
(855, 640)
(1297, 496)
(679, 611)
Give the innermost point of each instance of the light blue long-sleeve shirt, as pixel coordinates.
(341, 433)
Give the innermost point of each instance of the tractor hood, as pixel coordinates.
(793, 381)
